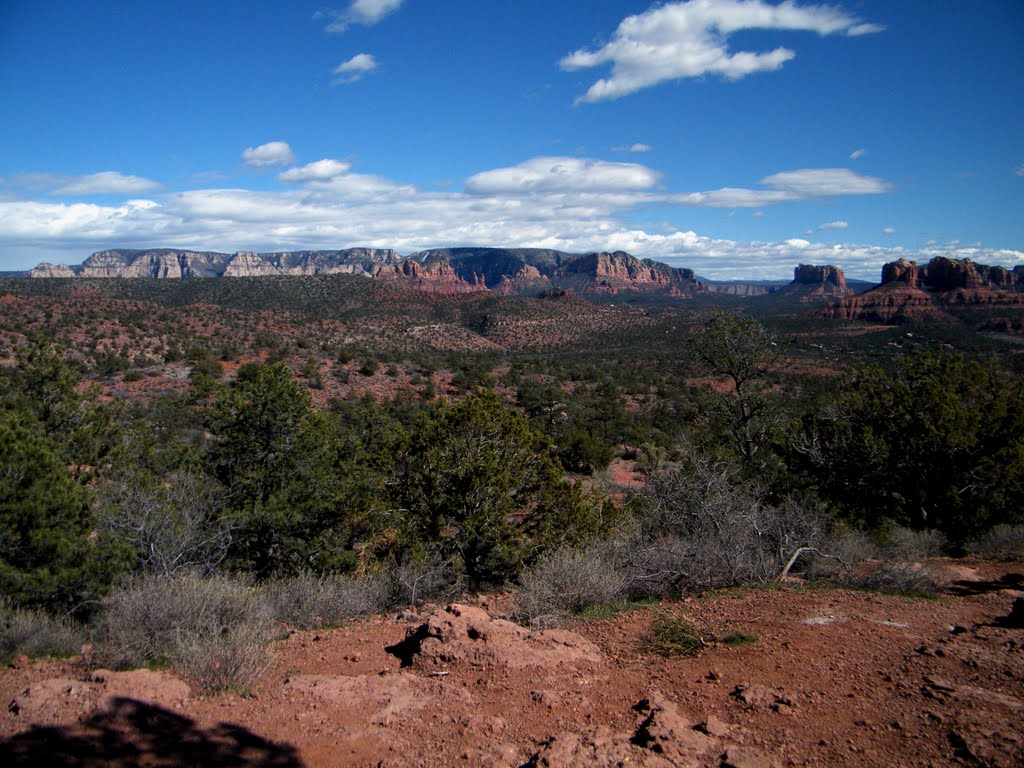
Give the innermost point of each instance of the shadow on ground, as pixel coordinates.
(133, 733)
(966, 587)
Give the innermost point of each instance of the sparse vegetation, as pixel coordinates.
(351, 447)
(310, 600)
(571, 581)
(214, 629)
(36, 633)
(1002, 542)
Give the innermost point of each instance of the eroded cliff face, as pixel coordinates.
(170, 263)
(830, 278)
(527, 279)
(619, 271)
(51, 270)
(940, 289)
(817, 283)
(158, 263)
(453, 270)
(438, 277)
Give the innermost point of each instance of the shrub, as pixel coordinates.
(904, 544)
(569, 581)
(1003, 542)
(310, 600)
(702, 526)
(900, 579)
(425, 579)
(36, 633)
(213, 629)
(844, 549)
(231, 660)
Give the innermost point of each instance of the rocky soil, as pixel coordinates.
(834, 678)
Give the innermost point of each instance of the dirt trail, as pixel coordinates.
(834, 678)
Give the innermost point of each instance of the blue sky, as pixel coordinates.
(735, 137)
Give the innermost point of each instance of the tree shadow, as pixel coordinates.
(967, 587)
(133, 733)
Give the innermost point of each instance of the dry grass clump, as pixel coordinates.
(674, 636)
(569, 581)
(36, 633)
(1002, 542)
(214, 629)
(312, 601)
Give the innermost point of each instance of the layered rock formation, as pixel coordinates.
(437, 277)
(184, 264)
(516, 271)
(816, 283)
(943, 288)
(533, 270)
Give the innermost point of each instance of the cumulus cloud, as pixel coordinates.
(562, 174)
(269, 154)
(364, 12)
(835, 225)
(321, 170)
(889, 231)
(571, 204)
(356, 68)
(688, 39)
(857, 154)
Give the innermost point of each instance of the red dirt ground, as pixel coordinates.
(834, 678)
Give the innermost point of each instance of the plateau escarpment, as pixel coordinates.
(507, 271)
(184, 264)
(941, 289)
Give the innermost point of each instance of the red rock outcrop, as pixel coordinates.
(439, 277)
(619, 271)
(817, 283)
(943, 288)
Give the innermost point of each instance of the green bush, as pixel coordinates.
(481, 487)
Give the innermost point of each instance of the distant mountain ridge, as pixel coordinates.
(446, 270)
(175, 263)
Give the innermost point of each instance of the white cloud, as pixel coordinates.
(857, 154)
(321, 170)
(689, 39)
(356, 68)
(1020, 169)
(788, 186)
(364, 12)
(825, 182)
(269, 154)
(562, 174)
(835, 225)
(571, 204)
(889, 231)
